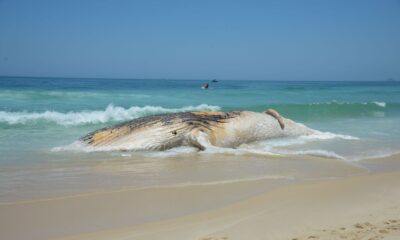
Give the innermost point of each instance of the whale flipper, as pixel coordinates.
(198, 138)
(277, 116)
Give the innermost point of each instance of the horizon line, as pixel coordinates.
(199, 79)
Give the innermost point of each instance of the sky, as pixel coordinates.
(245, 40)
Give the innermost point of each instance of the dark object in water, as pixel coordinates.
(214, 80)
(205, 86)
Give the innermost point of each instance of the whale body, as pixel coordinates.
(197, 129)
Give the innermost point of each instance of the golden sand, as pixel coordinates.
(366, 206)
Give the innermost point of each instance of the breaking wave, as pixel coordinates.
(110, 114)
(301, 112)
(380, 104)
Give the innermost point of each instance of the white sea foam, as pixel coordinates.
(377, 103)
(282, 146)
(76, 146)
(182, 150)
(248, 179)
(270, 147)
(328, 135)
(378, 154)
(111, 113)
(315, 152)
(290, 141)
(277, 146)
(380, 104)
(237, 151)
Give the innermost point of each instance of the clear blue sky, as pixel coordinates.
(268, 40)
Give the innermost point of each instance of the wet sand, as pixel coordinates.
(356, 205)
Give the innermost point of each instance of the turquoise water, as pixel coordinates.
(38, 116)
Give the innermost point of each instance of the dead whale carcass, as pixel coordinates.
(197, 129)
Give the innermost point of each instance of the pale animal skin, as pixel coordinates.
(197, 129)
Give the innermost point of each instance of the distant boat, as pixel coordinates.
(205, 86)
(214, 80)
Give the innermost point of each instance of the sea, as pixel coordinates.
(40, 117)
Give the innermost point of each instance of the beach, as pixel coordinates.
(340, 182)
(358, 205)
(199, 120)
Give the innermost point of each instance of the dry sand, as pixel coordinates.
(356, 207)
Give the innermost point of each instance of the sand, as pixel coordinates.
(365, 206)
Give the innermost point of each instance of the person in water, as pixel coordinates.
(205, 86)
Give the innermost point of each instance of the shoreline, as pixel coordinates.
(290, 212)
(115, 175)
(260, 208)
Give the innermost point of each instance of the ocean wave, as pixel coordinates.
(380, 104)
(317, 153)
(376, 103)
(333, 110)
(110, 114)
